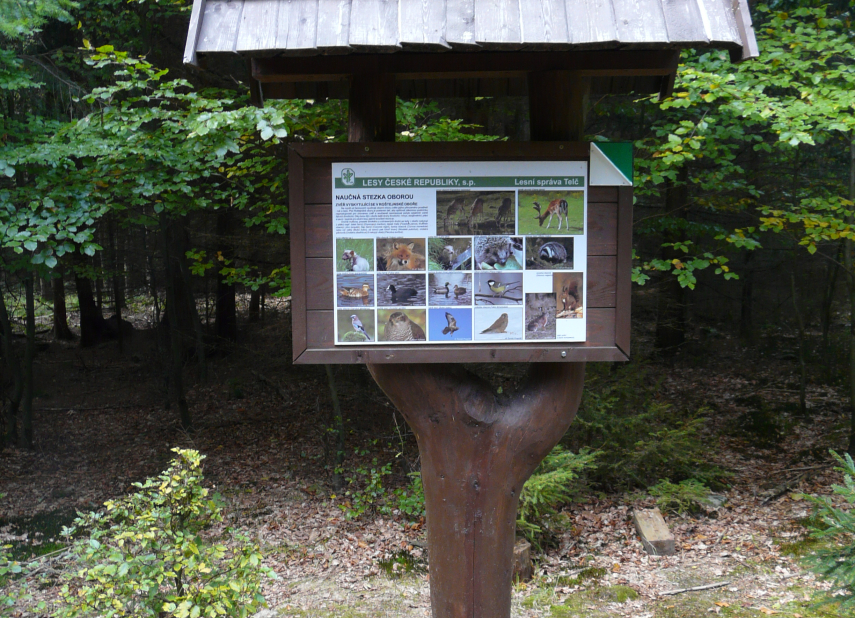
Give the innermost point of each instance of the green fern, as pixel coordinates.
(835, 558)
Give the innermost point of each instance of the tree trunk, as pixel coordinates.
(337, 430)
(175, 335)
(477, 450)
(826, 315)
(849, 260)
(91, 319)
(226, 305)
(747, 332)
(254, 305)
(61, 332)
(671, 313)
(13, 363)
(194, 316)
(800, 323)
(29, 356)
(114, 280)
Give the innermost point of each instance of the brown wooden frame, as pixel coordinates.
(312, 252)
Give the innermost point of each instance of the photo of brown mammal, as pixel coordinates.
(401, 254)
(555, 207)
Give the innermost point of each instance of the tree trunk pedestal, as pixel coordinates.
(477, 450)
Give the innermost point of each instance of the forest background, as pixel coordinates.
(138, 195)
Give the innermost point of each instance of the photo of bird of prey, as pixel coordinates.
(498, 326)
(452, 324)
(358, 327)
(399, 327)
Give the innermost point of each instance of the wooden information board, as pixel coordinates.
(465, 252)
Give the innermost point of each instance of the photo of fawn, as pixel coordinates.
(551, 212)
(471, 213)
(401, 254)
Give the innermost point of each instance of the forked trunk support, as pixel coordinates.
(477, 450)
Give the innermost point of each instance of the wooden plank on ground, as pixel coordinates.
(655, 535)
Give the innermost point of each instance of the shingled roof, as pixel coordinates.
(310, 27)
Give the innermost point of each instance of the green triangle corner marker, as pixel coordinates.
(611, 164)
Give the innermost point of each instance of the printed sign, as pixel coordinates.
(440, 252)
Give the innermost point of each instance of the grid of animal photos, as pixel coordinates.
(496, 265)
(511, 274)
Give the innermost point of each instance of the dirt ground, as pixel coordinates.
(101, 425)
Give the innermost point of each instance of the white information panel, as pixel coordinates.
(460, 252)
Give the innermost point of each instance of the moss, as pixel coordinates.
(616, 594)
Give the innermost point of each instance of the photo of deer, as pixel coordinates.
(551, 212)
(473, 213)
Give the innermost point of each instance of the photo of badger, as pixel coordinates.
(549, 253)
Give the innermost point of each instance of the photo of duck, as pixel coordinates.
(356, 292)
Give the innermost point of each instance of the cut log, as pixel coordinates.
(654, 533)
(523, 570)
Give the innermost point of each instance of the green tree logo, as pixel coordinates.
(348, 176)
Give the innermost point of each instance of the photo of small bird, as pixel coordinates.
(452, 324)
(538, 323)
(400, 328)
(402, 294)
(498, 326)
(358, 327)
(497, 288)
(355, 292)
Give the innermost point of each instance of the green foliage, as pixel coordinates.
(683, 497)
(147, 554)
(834, 559)
(638, 438)
(365, 492)
(552, 484)
(411, 500)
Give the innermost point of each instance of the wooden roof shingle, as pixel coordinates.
(306, 27)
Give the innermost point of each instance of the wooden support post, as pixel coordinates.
(371, 112)
(557, 102)
(477, 451)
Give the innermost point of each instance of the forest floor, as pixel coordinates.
(100, 426)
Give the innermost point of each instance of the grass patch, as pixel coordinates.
(42, 530)
(401, 563)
